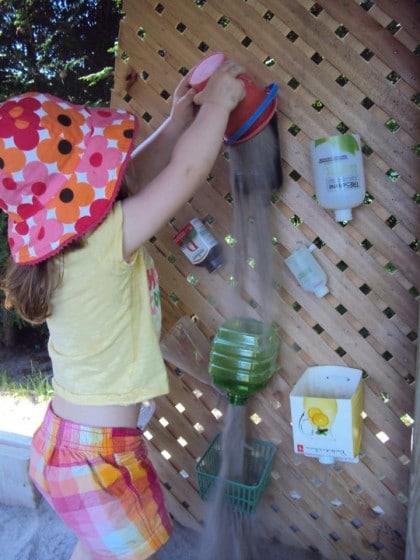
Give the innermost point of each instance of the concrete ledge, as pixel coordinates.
(15, 487)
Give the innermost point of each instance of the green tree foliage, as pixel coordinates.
(62, 47)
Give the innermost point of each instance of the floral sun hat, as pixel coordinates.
(61, 167)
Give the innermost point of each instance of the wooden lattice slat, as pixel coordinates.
(340, 64)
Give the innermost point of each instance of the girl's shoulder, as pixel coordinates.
(105, 241)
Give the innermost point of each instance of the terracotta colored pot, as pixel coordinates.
(251, 114)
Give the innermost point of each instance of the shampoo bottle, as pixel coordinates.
(307, 271)
(337, 167)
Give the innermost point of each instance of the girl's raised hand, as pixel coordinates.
(223, 88)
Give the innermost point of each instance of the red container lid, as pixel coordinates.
(204, 69)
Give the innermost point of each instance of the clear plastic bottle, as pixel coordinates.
(337, 167)
(243, 358)
(307, 271)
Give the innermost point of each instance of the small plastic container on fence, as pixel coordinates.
(242, 496)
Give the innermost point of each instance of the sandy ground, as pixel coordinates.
(38, 534)
(20, 416)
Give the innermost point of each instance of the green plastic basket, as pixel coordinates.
(258, 461)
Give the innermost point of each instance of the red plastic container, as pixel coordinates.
(251, 114)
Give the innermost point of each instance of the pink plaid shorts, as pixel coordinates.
(102, 484)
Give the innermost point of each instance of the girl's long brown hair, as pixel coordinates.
(28, 288)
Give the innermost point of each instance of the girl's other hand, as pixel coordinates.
(183, 110)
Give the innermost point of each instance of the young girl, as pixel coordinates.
(78, 263)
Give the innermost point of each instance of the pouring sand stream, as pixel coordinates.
(255, 172)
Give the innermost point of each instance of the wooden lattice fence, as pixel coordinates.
(341, 65)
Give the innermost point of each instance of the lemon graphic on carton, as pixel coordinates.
(321, 413)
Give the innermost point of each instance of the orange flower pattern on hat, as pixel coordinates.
(67, 122)
(60, 151)
(69, 200)
(12, 159)
(61, 166)
(118, 133)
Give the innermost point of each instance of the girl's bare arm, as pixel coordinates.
(189, 163)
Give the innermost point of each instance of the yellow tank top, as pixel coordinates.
(105, 323)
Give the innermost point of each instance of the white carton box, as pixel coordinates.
(326, 406)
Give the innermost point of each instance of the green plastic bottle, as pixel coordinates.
(243, 357)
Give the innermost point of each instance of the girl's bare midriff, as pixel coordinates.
(105, 416)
